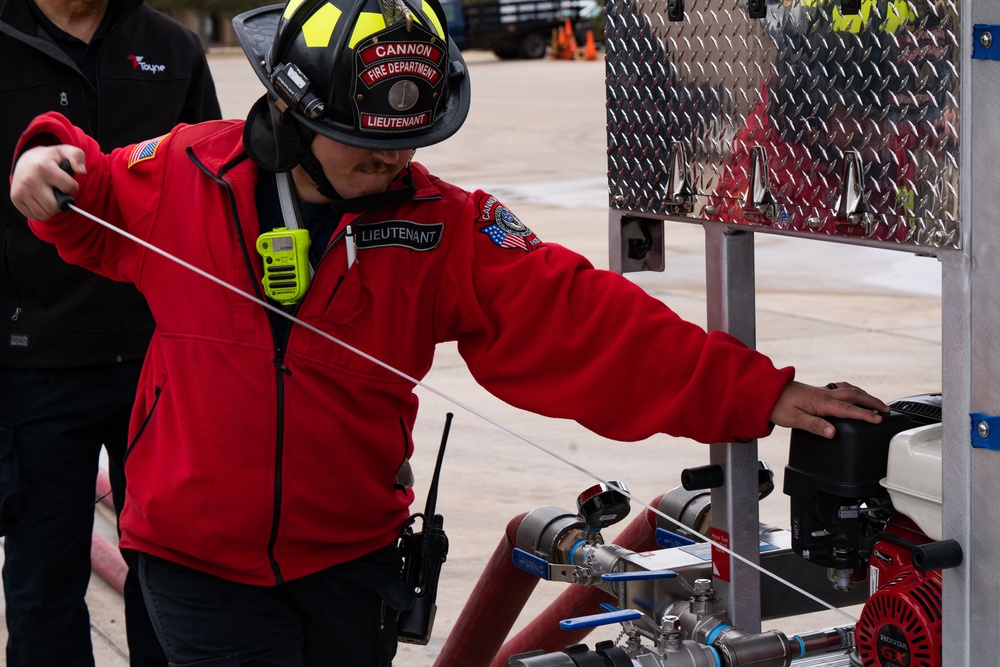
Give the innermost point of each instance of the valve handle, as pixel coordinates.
(669, 540)
(639, 576)
(596, 620)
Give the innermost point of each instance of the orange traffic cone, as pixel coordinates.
(590, 52)
(554, 46)
(570, 41)
(557, 53)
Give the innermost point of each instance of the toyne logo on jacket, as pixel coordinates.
(138, 62)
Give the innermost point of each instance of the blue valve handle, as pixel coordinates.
(669, 540)
(639, 576)
(600, 619)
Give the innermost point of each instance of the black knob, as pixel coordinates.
(703, 477)
(937, 556)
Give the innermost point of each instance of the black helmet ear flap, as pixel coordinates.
(277, 143)
(272, 140)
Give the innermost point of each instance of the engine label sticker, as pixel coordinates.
(720, 558)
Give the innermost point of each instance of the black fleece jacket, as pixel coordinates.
(151, 75)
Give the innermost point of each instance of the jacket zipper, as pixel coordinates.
(10, 274)
(406, 453)
(280, 371)
(119, 322)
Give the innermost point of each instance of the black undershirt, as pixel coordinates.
(82, 53)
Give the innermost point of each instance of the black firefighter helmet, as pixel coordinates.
(377, 74)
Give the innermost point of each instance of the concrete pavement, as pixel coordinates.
(536, 138)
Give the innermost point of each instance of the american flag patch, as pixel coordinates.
(504, 228)
(503, 239)
(144, 151)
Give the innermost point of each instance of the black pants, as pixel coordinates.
(53, 423)
(344, 615)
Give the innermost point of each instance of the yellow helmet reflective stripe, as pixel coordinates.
(318, 29)
(290, 8)
(368, 23)
(435, 21)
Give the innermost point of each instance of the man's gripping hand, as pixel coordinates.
(37, 174)
(802, 406)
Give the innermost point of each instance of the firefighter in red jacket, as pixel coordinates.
(254, 437)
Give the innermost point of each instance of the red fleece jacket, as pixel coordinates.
(248, 462)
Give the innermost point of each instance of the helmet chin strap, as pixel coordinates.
(312, 165)
(315, 171)
(277, 143)
(308, 159)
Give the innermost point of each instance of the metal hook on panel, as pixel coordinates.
(675, 10)
(759, 205)
(852, 205)
(680, 195)
(851, 7)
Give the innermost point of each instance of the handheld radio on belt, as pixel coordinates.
(423, 555)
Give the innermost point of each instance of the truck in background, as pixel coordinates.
(510, 28)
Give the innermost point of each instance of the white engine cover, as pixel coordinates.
(913, 477)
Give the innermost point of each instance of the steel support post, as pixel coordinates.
(956, 459)
(971, 348)
(730, 296)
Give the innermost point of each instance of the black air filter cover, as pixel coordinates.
(850, 465)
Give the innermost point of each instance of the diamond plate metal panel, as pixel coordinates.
(811, 119)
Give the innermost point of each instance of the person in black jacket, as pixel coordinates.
(71, 342)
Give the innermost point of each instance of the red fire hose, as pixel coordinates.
(492, 608)
(105, 558)
(544, 633)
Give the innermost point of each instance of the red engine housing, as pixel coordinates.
(900, 625)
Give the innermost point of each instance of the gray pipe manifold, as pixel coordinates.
(666, 621)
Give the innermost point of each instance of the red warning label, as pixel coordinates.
(720, 559)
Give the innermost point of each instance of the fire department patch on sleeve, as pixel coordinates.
(503, 227)
(144, 151)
